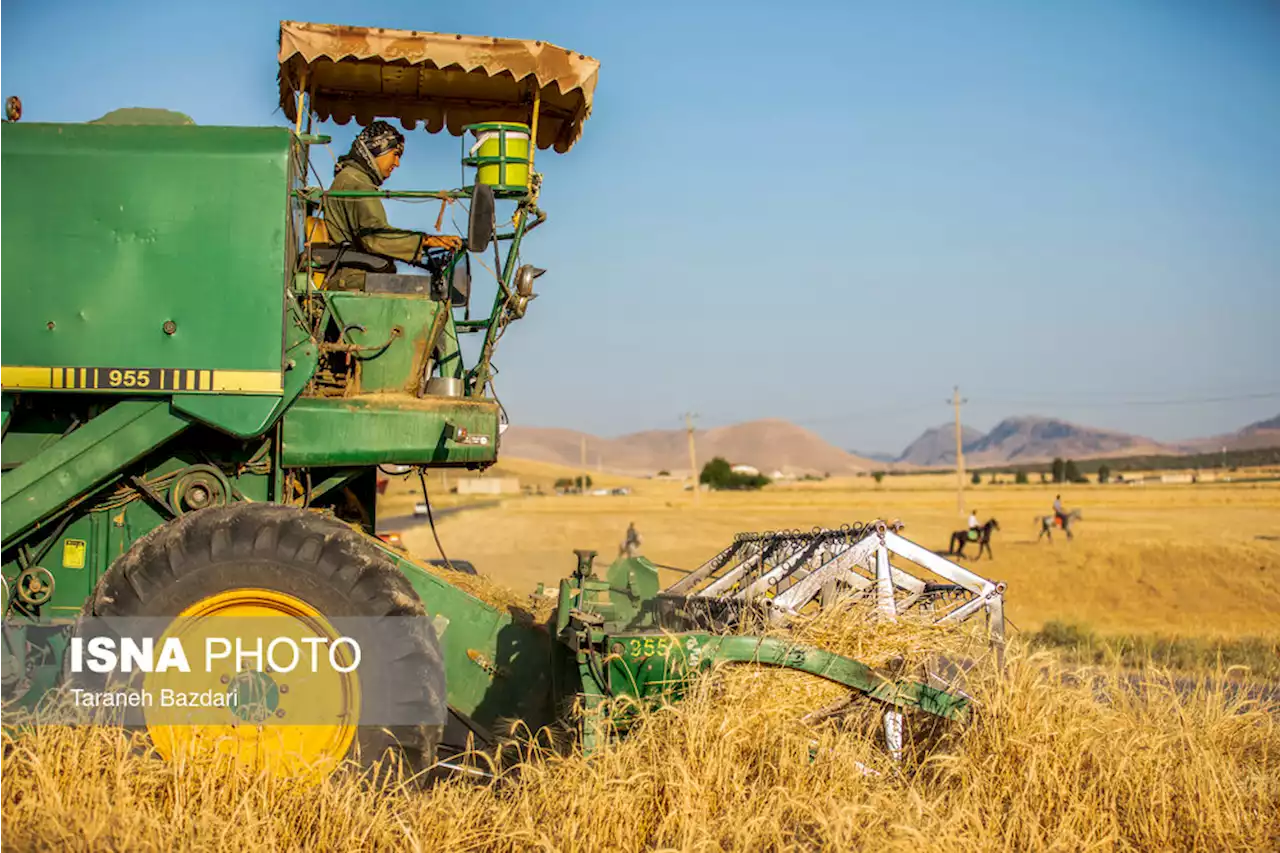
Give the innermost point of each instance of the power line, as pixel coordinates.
(1184, 401)
(877, 412)
(865, 414)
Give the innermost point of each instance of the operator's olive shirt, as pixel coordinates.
(362, 222)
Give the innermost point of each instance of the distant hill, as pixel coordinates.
(1253, 437)
(778, 445)
(1026, 439)
(937, 445)
(876, 455)
(770, 445)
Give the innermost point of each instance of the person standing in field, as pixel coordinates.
(631, 546)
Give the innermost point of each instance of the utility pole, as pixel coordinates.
(693, 458)
(956, 401)
(584, 453)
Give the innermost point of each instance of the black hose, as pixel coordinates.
(422, 478)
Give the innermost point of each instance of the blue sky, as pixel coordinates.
(830, 213)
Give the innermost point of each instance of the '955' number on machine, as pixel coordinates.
(119, 378)
(126, 379)
(648, 646)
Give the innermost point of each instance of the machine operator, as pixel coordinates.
(362, 223)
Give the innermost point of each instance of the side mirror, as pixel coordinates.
(480, 226)
(460, 283)
(524, 279)
(524, 290)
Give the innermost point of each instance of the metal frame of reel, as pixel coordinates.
(785, 572)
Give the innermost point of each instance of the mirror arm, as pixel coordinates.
(480, 373)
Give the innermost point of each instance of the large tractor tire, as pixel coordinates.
(259, 560)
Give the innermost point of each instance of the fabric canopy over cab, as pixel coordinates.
(438, 79)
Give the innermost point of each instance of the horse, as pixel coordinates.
(960, 537)
(1047, 523)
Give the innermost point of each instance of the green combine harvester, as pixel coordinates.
(193, 419)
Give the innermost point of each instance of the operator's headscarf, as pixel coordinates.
(375, 140)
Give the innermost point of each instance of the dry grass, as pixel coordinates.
(1046, 765)
(1049, 763)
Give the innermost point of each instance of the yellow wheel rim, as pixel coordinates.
(250, 725)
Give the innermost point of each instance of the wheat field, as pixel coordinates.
(1058, 756)
(1178, 559)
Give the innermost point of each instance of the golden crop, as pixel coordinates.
(1058, 757)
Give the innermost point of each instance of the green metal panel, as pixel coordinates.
(83, 460)
(403, 324)
(389, 428)
(245, 416)
(239, 415)
(114, 231)
(498, 665)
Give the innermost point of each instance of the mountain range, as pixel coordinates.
(1036, 439)
(770, 445)
(1253, 437)
(1026, 439)
(777, 446)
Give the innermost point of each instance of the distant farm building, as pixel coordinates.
(489, 486)
(1167, 477)
(749, 470)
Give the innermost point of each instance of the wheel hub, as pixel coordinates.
(300, 723)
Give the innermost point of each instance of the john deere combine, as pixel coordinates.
(193, 417)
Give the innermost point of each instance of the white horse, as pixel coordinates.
(1046, 523)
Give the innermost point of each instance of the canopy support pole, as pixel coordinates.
(533, 128)
(302, 97)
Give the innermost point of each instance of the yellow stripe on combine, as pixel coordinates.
(244, 381)
(27, 377)
(98, 379)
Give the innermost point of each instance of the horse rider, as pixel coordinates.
(973, 525)
(632, 543)
(1059, 514)
(362, 222)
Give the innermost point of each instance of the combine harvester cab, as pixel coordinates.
(194, 419)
